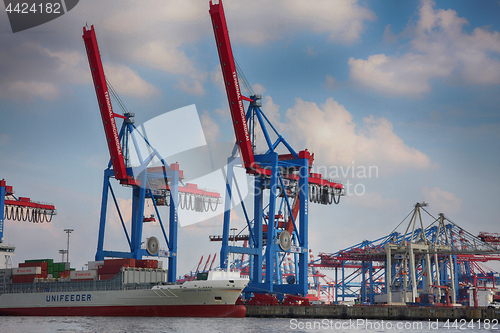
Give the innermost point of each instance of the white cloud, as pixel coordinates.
(439, 49)
(217, 79)
(342, 20)
(159, 55)
(210, 127)
(331, 83)
(30, 70)
(194, 87)
(443, 201)
(329, 131)
(156, 35)
(259, 88)
(128, 82)
(30, 89)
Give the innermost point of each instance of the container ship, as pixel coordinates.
(116, 287)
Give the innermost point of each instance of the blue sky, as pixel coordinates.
(412, 88)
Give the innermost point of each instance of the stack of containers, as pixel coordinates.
(31, 269)
(61, 269)
(146, 264)
(108, 268)
(111, 267)
(26, 274)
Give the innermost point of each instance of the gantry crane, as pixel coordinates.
(148, 181)
(22, 208)
(283, 185)
(19, 209)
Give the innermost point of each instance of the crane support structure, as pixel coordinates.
(283, 186)
(148, 181)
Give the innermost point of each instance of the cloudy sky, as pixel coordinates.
(407, 89)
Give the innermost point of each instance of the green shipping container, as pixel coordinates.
(61, 266)
(49, 261)
(50, 270)
(56, 275)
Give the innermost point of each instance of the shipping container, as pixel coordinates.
(81, 275)
(130, 262)
(139, 275)
(110, 269)
(48, 261)
(18, 279)
(106, 276)
(61, 266)
(146, 264)
(95, 264)
(30, 278)
(26, 270)
(42, 264)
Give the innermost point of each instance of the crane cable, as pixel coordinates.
(116, 97)
(244, 80)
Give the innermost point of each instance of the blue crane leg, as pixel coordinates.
(173, 226)
(224, 251)
(2, 210)
(257, 229)
(102, 222)
(303, 226)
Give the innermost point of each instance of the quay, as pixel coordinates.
(383, 312)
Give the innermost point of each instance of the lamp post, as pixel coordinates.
(68, 231)
(63, 252)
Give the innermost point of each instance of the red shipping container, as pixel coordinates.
(127, 261)
(146, 263)
(18, 278)
(42, 264)
(110, 269)
(30, 278)
(106, 276)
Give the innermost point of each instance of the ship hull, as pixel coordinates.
(220, 311)
(205, 298)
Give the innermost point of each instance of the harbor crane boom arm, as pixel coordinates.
(107, 114)
(232, 85)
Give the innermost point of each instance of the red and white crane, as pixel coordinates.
(287, 177)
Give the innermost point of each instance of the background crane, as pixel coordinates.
(19, 209)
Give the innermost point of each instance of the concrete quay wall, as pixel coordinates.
(373, 312)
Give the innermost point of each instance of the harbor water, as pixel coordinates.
(244, 325)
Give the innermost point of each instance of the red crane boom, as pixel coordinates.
(232, 85)
(107, 114)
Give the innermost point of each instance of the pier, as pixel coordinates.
(373, 312)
